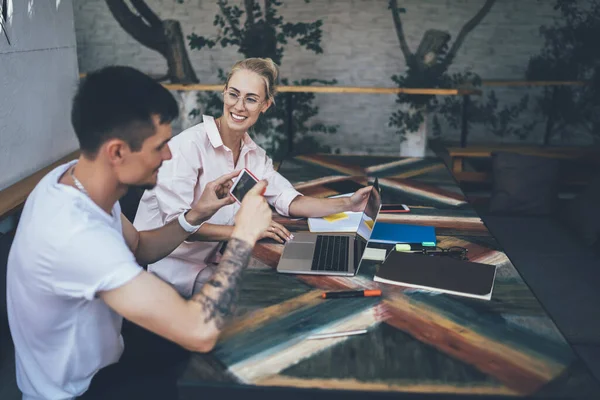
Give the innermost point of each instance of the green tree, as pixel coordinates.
(428, 68)
(263, 33)
(570, 53)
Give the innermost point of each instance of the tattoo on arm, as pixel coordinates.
(220, 293)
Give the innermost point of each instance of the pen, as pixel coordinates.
(336, 334)
(351, 293)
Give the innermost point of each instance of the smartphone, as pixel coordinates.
(394, 208)
(242, 185)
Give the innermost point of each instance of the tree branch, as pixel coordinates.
(468, 27)
(147, 13)
(249, 5)
(399, 31)
(234, 28)
(268, 14)
(165, 37)
(136, 27)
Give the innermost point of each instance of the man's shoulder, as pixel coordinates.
(51, 178)
(50, 243)
(65, 222)
(54, 214)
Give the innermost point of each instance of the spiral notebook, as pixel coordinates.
(438, 273)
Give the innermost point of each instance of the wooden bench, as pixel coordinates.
(13, 197)
(458, 155)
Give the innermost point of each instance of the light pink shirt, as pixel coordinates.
(199, 157)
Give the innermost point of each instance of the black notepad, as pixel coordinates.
(438, 273)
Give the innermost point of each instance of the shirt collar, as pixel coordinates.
(215, 138)
(211, 131)
(248, 142)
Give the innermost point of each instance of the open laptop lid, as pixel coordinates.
(367, 224)
(370, 213)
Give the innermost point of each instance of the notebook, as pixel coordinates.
(347, 221)
(438, 273)
(385, 232)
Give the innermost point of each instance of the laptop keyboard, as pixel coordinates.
(331, 253)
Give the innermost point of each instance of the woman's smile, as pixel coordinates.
(237, 117)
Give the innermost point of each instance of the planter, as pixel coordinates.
(415, 143)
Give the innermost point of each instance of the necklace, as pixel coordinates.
(77, 183)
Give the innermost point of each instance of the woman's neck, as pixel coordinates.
(231, 139)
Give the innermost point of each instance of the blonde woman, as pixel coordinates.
(215, 147)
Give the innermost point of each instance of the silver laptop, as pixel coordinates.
(334, 253)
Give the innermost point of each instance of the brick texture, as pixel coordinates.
(360, 49)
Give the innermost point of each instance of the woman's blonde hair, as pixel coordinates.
(265, 67)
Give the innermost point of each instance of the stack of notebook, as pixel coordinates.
(391, 233)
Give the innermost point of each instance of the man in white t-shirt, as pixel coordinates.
(74, 266)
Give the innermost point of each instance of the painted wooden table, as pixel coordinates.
(416, 341)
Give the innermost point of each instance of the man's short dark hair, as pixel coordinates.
(118, 103)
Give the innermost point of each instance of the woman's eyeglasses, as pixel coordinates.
(251, 103)
(457, 252)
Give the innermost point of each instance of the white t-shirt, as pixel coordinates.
(65, 251)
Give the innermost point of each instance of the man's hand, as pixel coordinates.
(358, 200)
(215, 195)
(254, 215)
(277, 232)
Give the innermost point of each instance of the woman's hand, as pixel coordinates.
(358, 201)
(215, 195)
(277, 232)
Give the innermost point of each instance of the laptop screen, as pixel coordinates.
(367, 222)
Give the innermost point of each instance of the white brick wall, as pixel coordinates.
(360, 49)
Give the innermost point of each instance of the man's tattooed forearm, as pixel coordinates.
(219, 302)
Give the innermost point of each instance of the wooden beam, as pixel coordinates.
(333, 89)
(13, 197)
(339, 89)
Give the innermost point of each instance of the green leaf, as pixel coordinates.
(268, 37)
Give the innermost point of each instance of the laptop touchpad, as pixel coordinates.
(299, 251)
